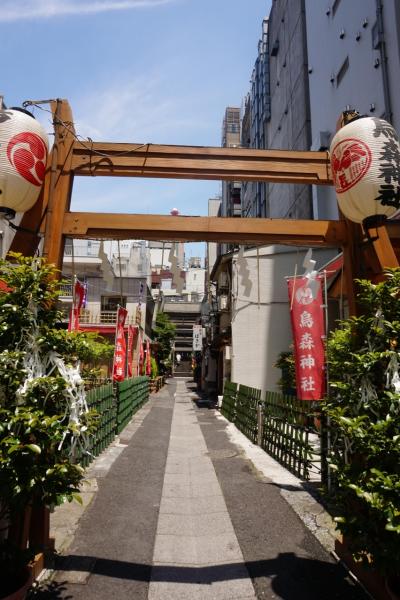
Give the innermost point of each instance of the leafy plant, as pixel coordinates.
(285, 362)
(164, 334)
(154, 368)
(364, 410)
(42, 407)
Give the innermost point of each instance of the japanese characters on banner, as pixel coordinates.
(120, 346)
(79, 297)
(308, 327)
(197, 338)
(132, 335)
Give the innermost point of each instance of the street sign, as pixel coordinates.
(197, 338)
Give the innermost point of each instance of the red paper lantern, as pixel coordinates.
(23, 156)
(365, 161)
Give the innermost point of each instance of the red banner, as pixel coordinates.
(141, 357)
(148, 359)
(307, 316)
(120, 346)
(79, 295)
(132, 334)
(73, 323)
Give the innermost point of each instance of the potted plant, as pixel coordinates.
(43, 413)
(364, 412)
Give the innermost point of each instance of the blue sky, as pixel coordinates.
(158, 71)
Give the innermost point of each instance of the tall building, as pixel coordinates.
(357, 66)
(230, 138)
(276, 109)
(212, 248)
(289, 123)
(254, 126)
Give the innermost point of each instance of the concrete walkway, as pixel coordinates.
(177, 510)
(194, 528)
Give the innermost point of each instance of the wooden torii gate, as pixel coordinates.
(70, 157)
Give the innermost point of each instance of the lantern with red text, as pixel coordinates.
(23, 156)
(365, 161)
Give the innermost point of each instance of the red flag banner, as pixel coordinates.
(79, 295)
(308, 327)
(148, 359)
(132, 334)
(73, 323)
(141, 357)
(120, 346)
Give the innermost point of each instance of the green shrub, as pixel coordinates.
(364, 411)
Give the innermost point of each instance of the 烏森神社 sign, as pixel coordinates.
(308, 327)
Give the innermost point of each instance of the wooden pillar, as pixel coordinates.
(60, 182)
(382, 245)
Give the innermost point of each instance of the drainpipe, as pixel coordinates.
(383, 57)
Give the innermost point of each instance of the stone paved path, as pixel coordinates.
(194, 528)
(179, 512)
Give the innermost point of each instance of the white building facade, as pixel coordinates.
(260, 312)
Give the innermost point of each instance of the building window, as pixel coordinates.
(111, 303)
(275, 48)
(342, 71)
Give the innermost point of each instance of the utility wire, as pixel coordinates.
(81, 139)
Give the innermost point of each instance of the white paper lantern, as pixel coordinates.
(23, 156)
(365, 161)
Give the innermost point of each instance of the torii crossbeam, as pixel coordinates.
(71, 157)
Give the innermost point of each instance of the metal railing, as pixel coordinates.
(65, 289)
(104, 317)
(114, 407)
(282, 425)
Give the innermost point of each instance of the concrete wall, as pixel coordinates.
(260, 313)
(348, 36)
(195, 281)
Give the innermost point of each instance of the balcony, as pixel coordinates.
(105, 317)
(65, 290)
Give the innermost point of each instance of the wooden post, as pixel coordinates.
(382, 245)
(260, 423)
(60, 185)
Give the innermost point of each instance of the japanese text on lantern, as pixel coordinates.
(307, 319)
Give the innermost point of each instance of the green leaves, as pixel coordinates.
(364, 412)
(164, 333)
(33, 405)
(34, 448)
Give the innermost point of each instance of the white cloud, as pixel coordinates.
(44, 9)
(140, 109)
